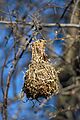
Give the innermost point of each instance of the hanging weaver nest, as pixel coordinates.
(41, 79)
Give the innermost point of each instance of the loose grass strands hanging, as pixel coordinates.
(41, 79)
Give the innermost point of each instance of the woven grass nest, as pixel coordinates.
(41, 79)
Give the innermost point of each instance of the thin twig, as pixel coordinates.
(15, 22)
(65, 10)
(75, 7)
(62, 25)
(42, 24)
(69, 108)
(18, 56)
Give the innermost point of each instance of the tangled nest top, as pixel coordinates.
(41, 79)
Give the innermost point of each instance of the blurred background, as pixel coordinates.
(22, 21)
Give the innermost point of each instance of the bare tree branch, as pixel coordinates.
(42, 24)
(74, 9)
